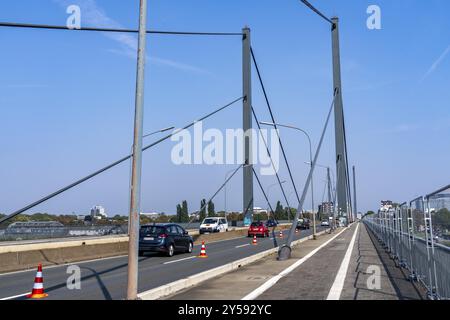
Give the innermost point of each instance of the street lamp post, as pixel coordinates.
(329, 190)
(135, 190)
(310, 158)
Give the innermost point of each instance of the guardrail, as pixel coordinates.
(417, 235)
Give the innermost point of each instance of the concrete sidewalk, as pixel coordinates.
(367, 255)
(235, 285)
(314, 278)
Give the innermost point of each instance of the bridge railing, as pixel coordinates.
(417, 236)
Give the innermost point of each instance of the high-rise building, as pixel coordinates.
(98, 212)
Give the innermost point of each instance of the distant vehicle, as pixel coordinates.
(271, 223)
(165, 238)
(303, 224)
(213, 224)
(325, 223)
(258, 229)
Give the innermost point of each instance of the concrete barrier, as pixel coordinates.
(176, 286)
(23, 260)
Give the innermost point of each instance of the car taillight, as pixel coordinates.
(260, 229)
(163, 236)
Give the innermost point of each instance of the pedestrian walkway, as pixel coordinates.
(349, 264)
(368, 255)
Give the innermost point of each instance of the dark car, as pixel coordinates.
(258, 229)
(271, 223)
(165, 238)
(303, 224)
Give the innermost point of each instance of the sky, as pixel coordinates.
(67, 98)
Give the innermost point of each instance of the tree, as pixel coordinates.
(42, 217)
(211, 209)
(184, 212)
(442, 219)
(279, 211)
(202, 213)
(290, 212)
(162, 219)
(179, 213)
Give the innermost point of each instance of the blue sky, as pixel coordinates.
(67, 98)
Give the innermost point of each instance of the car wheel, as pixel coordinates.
(170, 251)
(190, 246)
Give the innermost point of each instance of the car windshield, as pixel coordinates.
(206, 221)
(153, 230)
(300, 220)
(256, 224)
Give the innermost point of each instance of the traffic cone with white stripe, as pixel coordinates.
(203, 251)
(296, 230)
(255, 241)
(38, 287)
(281, 234)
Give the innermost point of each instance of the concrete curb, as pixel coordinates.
(176, 286)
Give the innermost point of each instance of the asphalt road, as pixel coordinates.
(106, 279)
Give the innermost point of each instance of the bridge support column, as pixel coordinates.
(247, 127)
(341, 152)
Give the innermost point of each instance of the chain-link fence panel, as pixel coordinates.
(438, 209)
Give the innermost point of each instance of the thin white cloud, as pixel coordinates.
(27, 86)
(370, 86)
(93, 15)
(436, 64)
(403, 128)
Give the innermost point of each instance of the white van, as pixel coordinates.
(214, 224)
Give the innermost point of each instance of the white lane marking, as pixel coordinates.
(263, 288)
(338, 285)
(17, 296)
(244, 245)
(173, 261)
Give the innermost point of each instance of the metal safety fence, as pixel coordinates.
(417, 236)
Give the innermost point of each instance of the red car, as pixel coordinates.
(259, 229)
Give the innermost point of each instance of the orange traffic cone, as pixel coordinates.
(38, 287)
(281, 234)
(255, 241)
(203, 251)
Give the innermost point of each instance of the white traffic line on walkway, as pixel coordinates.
(272, 281)
(174, 261)
(241, 246)
(338, 284)
(17, 296)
